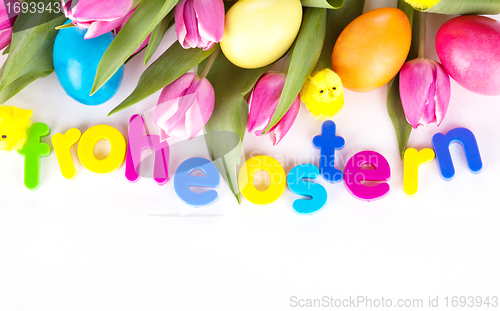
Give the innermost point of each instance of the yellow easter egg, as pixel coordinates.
(259, 32)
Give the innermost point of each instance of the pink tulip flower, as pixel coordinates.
(7, 18)
(98, 16)
(199, 23)
(144, 43)
(184, 107)
(263, 102)
(425, 91)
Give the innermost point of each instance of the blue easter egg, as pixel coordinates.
(75, 64)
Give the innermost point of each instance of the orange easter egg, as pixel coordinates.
(372, 49)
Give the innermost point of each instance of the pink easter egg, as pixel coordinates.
(469, 49)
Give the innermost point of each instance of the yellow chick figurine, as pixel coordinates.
(14, 123)
(323, 93)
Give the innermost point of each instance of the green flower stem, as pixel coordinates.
(210, 62)
(422, 16)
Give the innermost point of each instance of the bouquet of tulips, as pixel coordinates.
(233, 44)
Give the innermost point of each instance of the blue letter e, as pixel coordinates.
(183, 180)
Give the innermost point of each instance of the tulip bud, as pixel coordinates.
(184, 107)
(425, 90)
(263, 102)
(199, 23)
(7, 19)
(98, 16)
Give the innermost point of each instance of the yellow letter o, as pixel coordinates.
(87, 144)
(246, 180)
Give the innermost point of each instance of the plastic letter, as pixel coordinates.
(62, 147)
(328, 143)
(468, 141)
(246, 180)
(315, 192)
(137, 143)
(355, 176)
(183, 180)
(412, 160)
(87, 145)
(32, 150)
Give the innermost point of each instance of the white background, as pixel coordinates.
(103, 243)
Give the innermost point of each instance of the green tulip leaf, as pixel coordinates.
(64, 26)
(170, 66)
(394, 106)
(397, 115)
(157, 35)
(461, 7)
(144, 20)
(136, 3)
(230, 115)
(20, 83)
(304, 55)
(325, 4)
(336, 22)
(30, 54)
